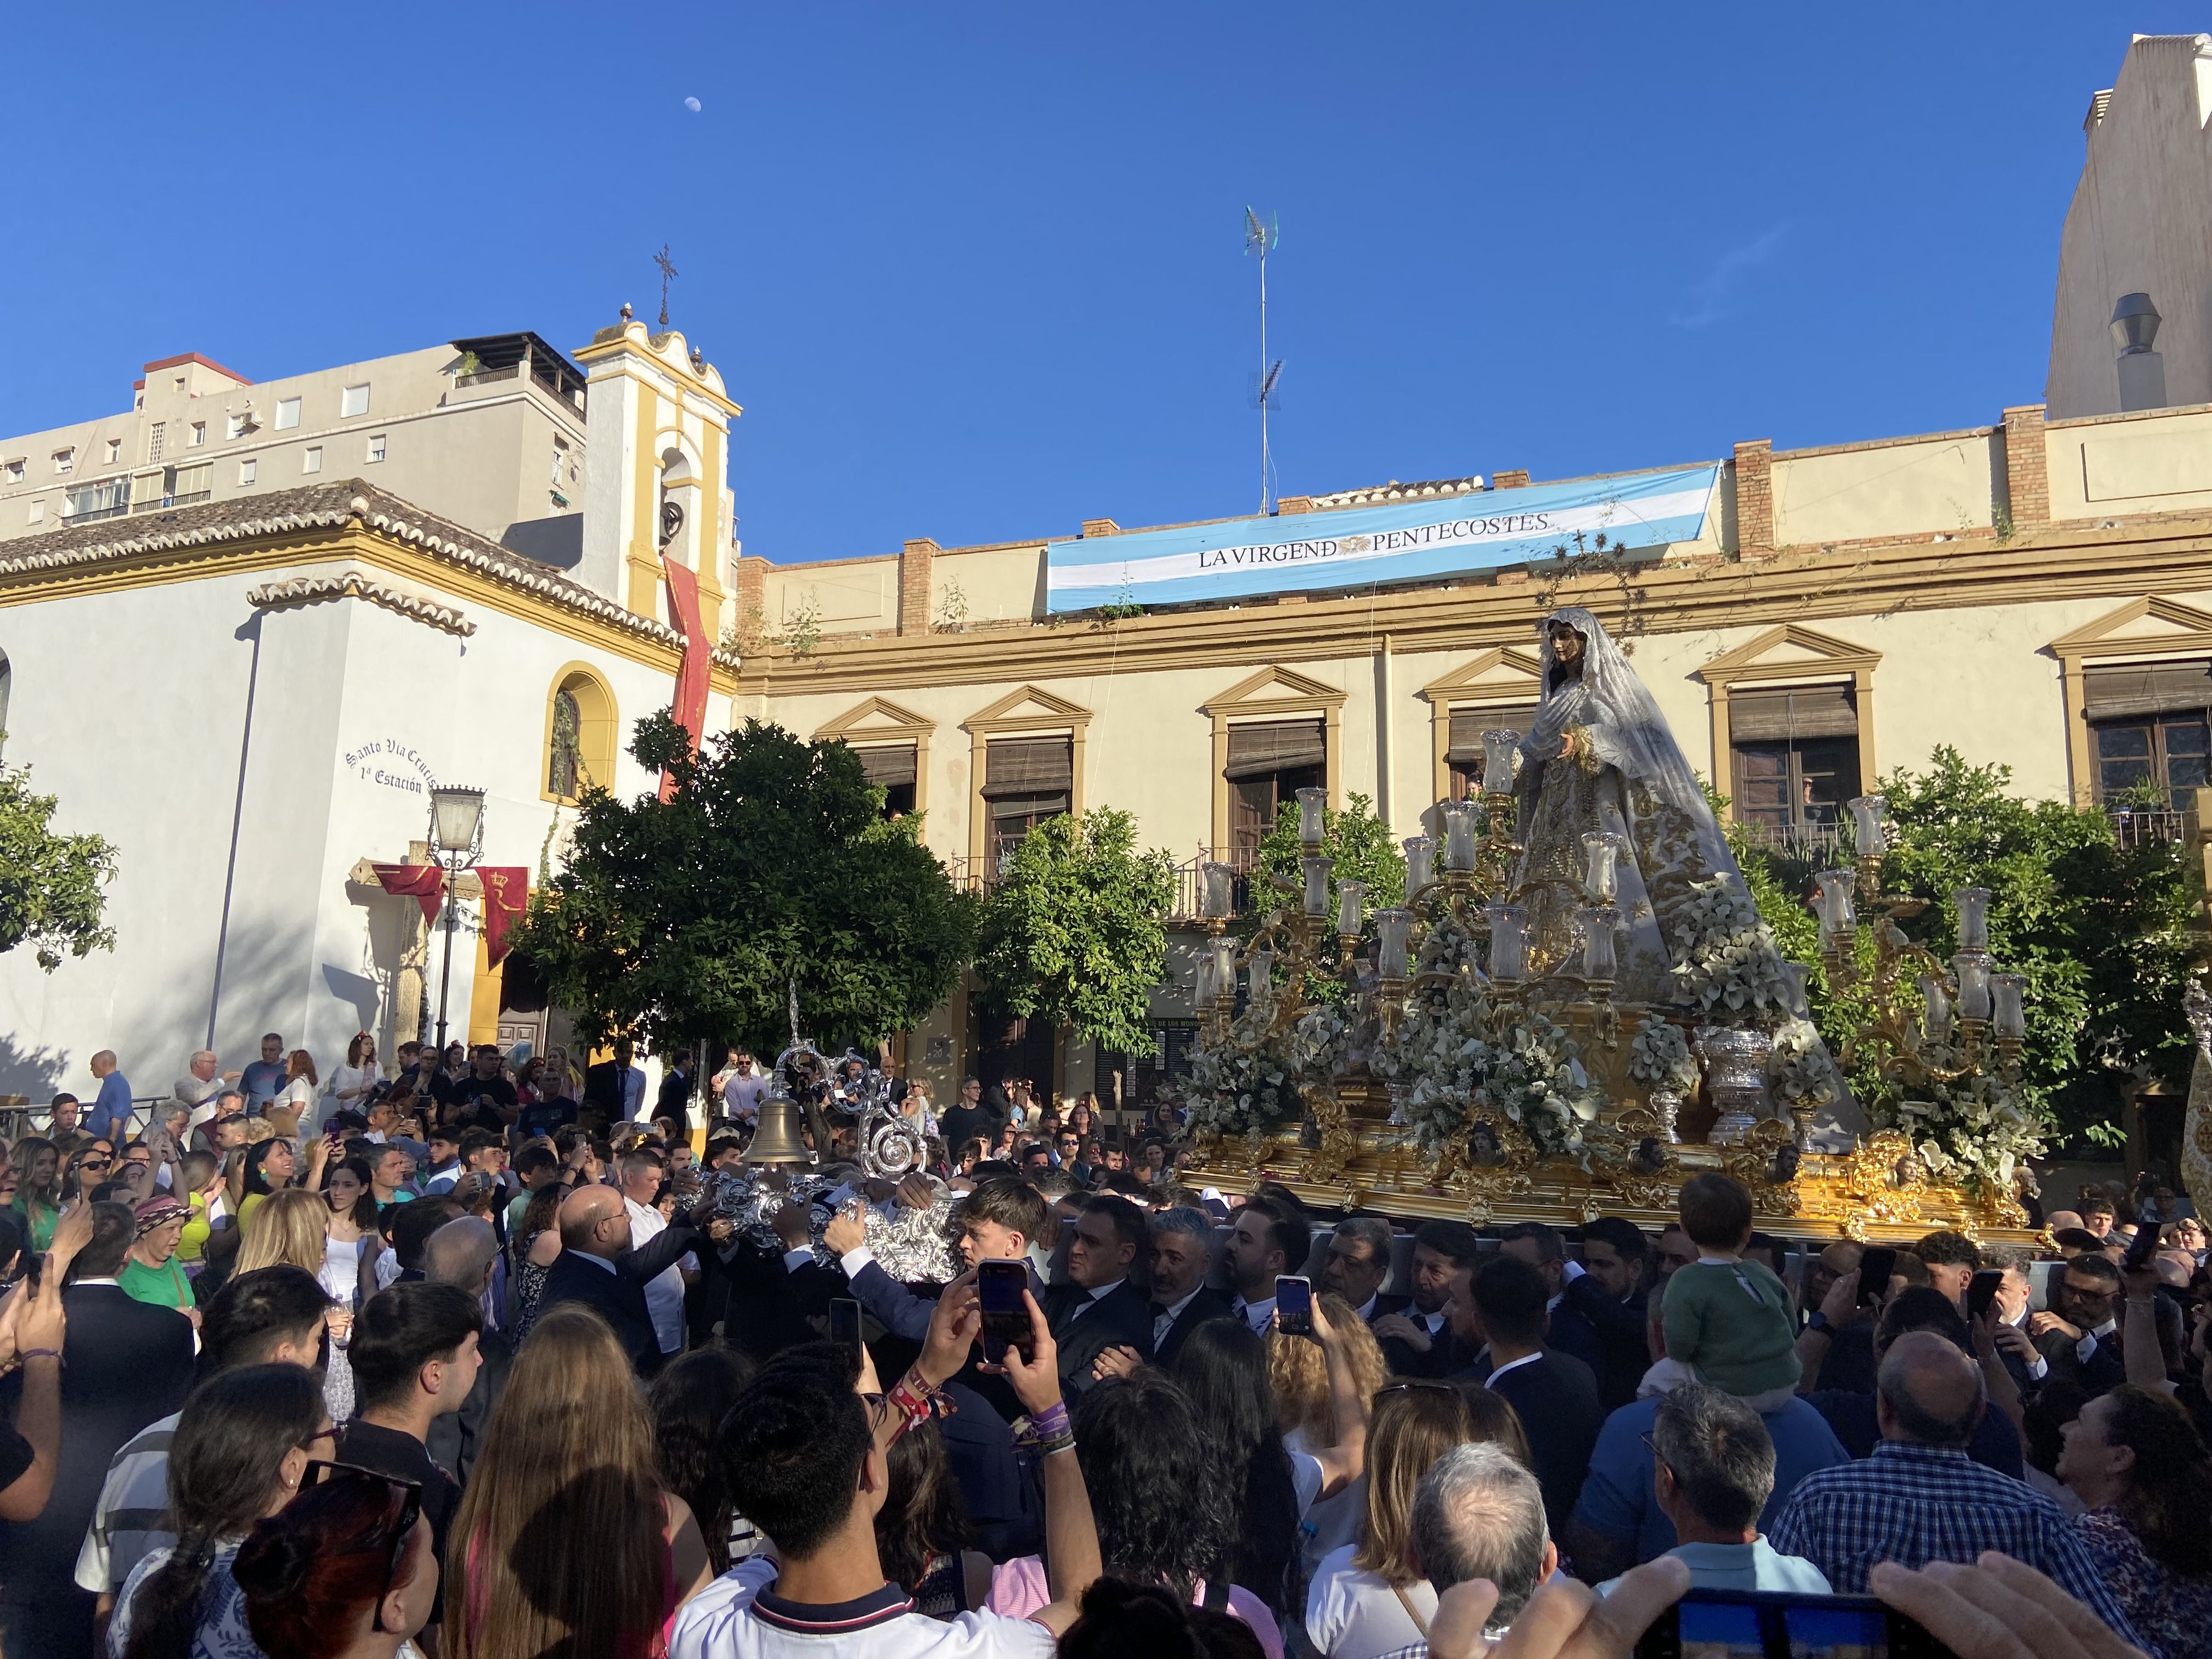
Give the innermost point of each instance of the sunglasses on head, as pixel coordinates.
(405, 1508)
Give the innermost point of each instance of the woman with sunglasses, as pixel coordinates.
(1370, 1597)
(88, 1168)
(241, 1449)
(566, 1541)
(345, 1570)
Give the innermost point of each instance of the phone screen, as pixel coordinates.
(1876, 1267)
(998, 1288)
(845, 1322)
(1719, 1623)
(1294, 1306)
(2141, 1249)
(1982, 1291)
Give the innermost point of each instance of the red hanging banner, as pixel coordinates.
(506, 894)
(423, 882)
(692, 676)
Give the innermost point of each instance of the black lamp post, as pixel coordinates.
(456, 841)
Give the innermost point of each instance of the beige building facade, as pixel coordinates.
(2033, 592)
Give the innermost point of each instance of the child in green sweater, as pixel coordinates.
(1727, 1319)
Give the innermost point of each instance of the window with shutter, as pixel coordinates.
(1468, 723)
(1025, 782)
(1795, 757)
(891, 768)
(1269, 762)
(2148, 722)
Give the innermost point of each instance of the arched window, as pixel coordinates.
(567, 760)
(580, 734)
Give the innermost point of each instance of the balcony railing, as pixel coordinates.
(483, 376)
(90, 514)
(1810, 843)
(183, 498)
(2137, 826)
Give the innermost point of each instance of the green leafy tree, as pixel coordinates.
(1076, 932)
(2103, 934)
(685, 920)
(1362, 849)
(51, 896)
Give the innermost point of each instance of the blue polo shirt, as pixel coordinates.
(110, 1106)
(1620, 1500)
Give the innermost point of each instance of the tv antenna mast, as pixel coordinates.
(1260, 238)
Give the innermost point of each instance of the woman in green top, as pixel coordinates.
(38, 1196)
(151, 1272)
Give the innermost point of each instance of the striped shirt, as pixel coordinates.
(1913, 1505)
(132, 1520)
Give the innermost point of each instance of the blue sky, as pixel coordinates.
(976, 271)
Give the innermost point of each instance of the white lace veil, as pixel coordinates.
(1609, 695)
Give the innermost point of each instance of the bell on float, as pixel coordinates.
(776, 1141)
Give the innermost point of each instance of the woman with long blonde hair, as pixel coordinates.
(292, 1229)
(1370, 1597)
(1305, 1414)
(565, 1540)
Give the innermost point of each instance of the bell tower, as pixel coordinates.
(656, 465)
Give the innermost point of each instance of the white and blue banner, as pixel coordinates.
(1356, 547)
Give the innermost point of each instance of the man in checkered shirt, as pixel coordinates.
(1920, 1499)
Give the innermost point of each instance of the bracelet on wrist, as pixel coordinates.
(29, 1354)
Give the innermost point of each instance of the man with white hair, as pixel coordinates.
(200, 1085)
(463, 1253)
(1479, 1513)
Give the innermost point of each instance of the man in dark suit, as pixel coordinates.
(1359, 1262)
(1567, 1330)
(1555, 1393)
(1608, 1290)
(598, 1267)
(124, 1362)
(2078, 1337)
(1417, 1340)
(674, 1100)
(1099, 1308)
(1182, 1257)
(606, 1083)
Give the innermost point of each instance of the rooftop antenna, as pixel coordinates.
(1260, 238)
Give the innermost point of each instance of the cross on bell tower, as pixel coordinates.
(667, 271)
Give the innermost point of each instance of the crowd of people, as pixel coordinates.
(473, 1355)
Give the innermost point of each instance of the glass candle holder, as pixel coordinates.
(1393, 929)
(1599, 921)
(1459, 836)
(1260, 975)
(1601, 851)
(1973, 906)
(1497, 762)
(1420, 863)
(1220, 888)
(1224, 966)
(1203, 989)
(1800, 975)
(1972, 968)
(1936, 1022)
(2009, 1015)
(1508, 940)
(1316, 874)
(1837, 915)
(1311, 825)
(1868, 831)
(1351, 906)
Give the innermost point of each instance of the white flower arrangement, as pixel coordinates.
(1726, 960)
(1973, 1131)
(1442, 1055)
(1448, 948)
(1537, 1081)
(1800, 1070)
(1248, 1085)
(1319, 1044)
(1659, 1056)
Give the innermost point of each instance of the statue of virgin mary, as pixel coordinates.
(1599, 760)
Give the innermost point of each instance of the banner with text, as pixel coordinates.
(1356, 547)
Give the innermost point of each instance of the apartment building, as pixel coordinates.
(488, 432)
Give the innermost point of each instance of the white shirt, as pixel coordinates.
(719, 1623)
(1164, 1321)
(664, 1291)
(1257, 1314)
(1352, 1614)
(741, 1097)
(634, 1092)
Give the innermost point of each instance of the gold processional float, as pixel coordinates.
(1458, 1070)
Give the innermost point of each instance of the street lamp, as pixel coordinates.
(456, 839)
